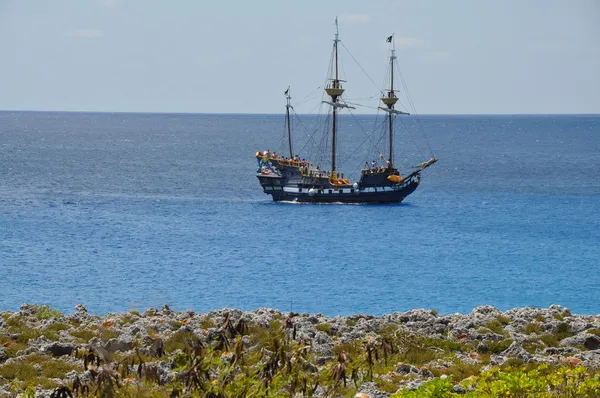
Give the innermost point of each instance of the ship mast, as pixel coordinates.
(334, 90)
(287, 118)
(390, 100)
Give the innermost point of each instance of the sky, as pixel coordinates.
(239, 56)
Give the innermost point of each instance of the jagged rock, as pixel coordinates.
(562, 351)
(151, 311)
(166, 310)
(490, 337)
(426, 373)
(369, 389)
(123, 344)
(419, 315)
(587, 340)
(322, 344)
(457, 389)
(487, 310)
(80, 308)
(28, 309)
(516, 351)
(404, 369)
(591, 359)
(592, 343)
(414, 384)
(155, 326)
(58, 349)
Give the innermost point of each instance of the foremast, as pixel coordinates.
(334, 90)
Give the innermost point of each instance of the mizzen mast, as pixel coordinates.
(288, 97)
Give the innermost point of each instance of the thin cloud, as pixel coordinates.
(552, 45)
(107, 3)
(408, 41)
(87, 33)
(354, 19)
(439, 54)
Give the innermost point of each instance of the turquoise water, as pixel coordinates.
(128, 211)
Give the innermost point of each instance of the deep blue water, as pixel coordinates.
(128, 211)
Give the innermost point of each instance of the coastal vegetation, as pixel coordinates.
(229, 353)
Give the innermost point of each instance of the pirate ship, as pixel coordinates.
(298, 180)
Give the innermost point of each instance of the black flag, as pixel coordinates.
(389, 39)
(287, 91)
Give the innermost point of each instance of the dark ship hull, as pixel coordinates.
(291, 184)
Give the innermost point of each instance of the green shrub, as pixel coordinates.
(83, 334)
(44, 312)
(496, 347)
(495, 326)
(324, 327)
(533, 328)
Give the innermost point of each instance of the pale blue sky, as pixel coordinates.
(464, 56)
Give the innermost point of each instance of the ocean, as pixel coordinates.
(128, 211)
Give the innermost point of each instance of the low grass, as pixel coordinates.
(324, 327)
(532, 346)
(540, 318)
(24, 373)
(180, 340)
(553, 340)
(385, 385)
(266, 337)
(495, 326)
(496, 347)
(44, 312)
(84, 335)
(533, 327)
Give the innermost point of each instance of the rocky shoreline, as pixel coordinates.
(266, 352)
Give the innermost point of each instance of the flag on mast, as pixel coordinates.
(389, 39)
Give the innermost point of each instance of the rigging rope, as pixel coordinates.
(361, 68)
(413, 108)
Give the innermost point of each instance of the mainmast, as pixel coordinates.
(287, 118)
(390, 99)
(334, 90)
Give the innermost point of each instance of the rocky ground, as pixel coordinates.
(266, 352)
